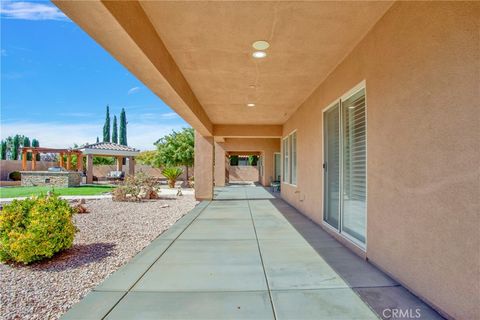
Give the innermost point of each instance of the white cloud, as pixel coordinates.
(169, 115)
(60, 135)
(31, 11)
(133, 90)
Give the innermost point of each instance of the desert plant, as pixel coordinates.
(35, 228)
(191, 182)
(135, 188)
(172, 175)
(15, 176)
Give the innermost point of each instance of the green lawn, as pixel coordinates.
(12, 192)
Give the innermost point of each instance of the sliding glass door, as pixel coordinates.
(345, 166)
(331, 166)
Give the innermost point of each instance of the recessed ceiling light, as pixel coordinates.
(250, 104)
(251, 86)
(259, 54)
(261, 45)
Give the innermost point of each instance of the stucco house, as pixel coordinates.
(373, 107)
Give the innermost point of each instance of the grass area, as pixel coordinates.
(12, 192)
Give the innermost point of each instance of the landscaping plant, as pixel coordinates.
(15, 176)
(135, 188)
(172, 175)
(35, 228)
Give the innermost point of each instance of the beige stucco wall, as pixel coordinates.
(265, 146)
(421, 67)
(7, 166)
(244, 173)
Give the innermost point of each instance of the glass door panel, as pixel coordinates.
(354, 166)
(332, 166)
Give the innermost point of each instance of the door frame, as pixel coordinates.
(339, 231)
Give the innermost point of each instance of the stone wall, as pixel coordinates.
(45, 178)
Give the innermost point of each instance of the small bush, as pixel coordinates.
(15, 176)
(172, 175)
(135, 188)
(36, 228)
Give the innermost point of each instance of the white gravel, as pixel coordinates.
(110, 235)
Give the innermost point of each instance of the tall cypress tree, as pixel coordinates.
(15, 147)
(106, 126)
(35, 143)
(114, 130)
(3, 150)
(26, 143)
(123, 128)
(98, 140)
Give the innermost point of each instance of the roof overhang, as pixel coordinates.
(197, 55)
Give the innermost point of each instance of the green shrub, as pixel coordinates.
(15, 176)
(36, 228)
(172, 175)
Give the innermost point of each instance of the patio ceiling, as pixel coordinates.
(196, 56)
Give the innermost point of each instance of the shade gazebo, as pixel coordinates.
(108, 149)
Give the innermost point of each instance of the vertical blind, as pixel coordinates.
(354, 165)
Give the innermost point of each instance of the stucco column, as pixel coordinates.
(119, 163)
(62, 164)
(89, 168)
(34, 161)
(69, 161)
(203, 167)
(219, 167)
(24, 160)
(79, 162)
(131, 166)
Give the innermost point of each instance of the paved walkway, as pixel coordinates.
(246, 255)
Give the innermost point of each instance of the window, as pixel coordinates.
(293, 140)
(286, 165)
(290, 158)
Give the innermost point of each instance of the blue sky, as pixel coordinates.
(56, 82)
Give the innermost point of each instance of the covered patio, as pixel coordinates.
(247, 255)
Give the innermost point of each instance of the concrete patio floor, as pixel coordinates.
(246, 255)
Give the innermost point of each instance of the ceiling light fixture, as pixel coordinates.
(259, 54)
(261, 45)
(250, 104)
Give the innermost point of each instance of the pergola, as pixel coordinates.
(107, 149)
(36, 150)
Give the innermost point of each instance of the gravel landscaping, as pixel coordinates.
(109, 236)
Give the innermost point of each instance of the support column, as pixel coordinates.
(80, 162)
(119, 163)
(34, 161)
(131, 166)
(219, 167)
(62, 163)
(89, 168)
(24, 160)
(69, 161)
(203, 167)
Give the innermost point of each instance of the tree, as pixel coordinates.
(26, 143)
(3, 150)
(106, 126)
(35, 143)
(114, 130)
(15, 147)
(123, 128)
(147, 157)
(176, 149)
(98, 140)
